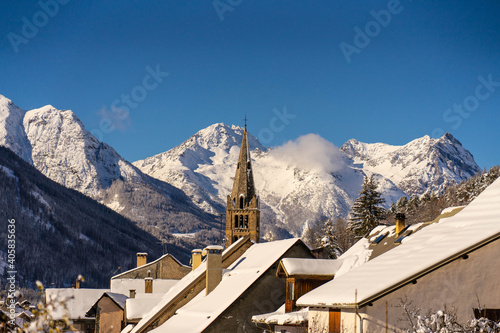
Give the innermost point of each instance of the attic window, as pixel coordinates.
(241, 202)
(379, 238)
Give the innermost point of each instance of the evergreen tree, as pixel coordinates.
(367, 212)
(337, 238)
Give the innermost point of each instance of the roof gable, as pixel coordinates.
(307, 268)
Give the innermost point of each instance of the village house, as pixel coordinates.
(164, 273)
(453, 263)
(73, 303)
(138, 288)
(304, 275)
(108, 312)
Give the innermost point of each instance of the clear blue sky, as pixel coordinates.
(403, 75)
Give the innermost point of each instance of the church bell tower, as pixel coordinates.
(243, 213)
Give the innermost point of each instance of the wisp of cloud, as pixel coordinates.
(311, 152)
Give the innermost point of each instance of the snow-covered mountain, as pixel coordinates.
(423, 165)
(309, 179)
(12, 134)
(181, 190)
(56, 143)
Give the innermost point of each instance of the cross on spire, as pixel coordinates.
(245, 120)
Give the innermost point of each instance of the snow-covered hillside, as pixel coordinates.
(423, 165)
(308, 179)
(57, 144)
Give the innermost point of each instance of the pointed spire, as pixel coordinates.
(243, 179)
(243, 212)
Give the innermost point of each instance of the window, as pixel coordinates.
(245, 225)
(491, 314)
(236, 221)
(379, 238)
(241, 221)
(241, 202)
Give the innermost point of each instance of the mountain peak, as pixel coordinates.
(422, 165)
(12, 134)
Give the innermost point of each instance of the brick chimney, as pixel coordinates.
(142, 259)
(196, 258)
(214, 267)
(400, 222)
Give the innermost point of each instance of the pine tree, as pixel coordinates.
(366, 212)
(337, 238)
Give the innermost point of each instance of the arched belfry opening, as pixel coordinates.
(243, 211)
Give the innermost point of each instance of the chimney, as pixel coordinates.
(132, 293)
(142, 259)
(79, 280)
(196, 258)
(400, 222)
(214, 267)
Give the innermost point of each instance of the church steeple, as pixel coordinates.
(243, 213)
(243, 180)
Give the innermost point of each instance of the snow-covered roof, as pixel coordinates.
(127, 328)
(202, 310)
(75, 302)
(138, 307)
(304, 267)
(119, 300)
(355, 256)
(184, 284)
(280, 317)
(123, 286)
(436, 244)
(149, 264)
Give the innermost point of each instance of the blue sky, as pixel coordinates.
(377, 71)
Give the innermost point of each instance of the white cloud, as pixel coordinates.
(311, 152)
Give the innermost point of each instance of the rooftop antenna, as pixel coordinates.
(163, 243)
